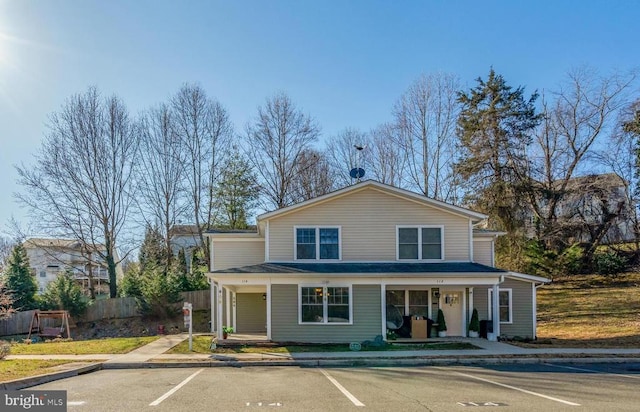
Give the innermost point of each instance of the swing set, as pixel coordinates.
(48, 332)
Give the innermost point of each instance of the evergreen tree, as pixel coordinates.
(494, 128)
(19, 281)
(153, 253)
(64, 294)
(237, 191)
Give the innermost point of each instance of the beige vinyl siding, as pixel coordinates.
(251, 313)
(522, 310)
(482, 252)
(368, 219)
(284, 317)
(235, 254)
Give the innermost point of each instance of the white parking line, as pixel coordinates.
(75, 403)
(592, 370)
(342, 389)
(517, 389)
(175, 389)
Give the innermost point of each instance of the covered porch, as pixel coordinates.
(405, 298)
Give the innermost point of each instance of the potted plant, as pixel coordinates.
(226, 330)
(442, 325)
(474, 324)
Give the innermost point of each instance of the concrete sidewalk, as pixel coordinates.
(154, 352)
(153, 355)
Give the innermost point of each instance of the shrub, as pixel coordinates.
(609, 263)
(442, 325)
(64, 294)
(550, 263)
(474, 324)
(5, 349)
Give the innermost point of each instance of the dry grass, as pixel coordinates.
(20, 368)
(85, 347)
(590, 311)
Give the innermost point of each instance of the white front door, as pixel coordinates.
(452, 307)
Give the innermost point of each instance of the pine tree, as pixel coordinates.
(495, 127)
(19, 281)
(237, 191)
(152, 252)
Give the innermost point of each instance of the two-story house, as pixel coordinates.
(338, 268)
(50, 257)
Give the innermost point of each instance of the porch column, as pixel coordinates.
(228, 307)
(469, 309)
(495, 315)
(234, 317)
(220, 288)
(383, 304)
(269, 311)
(214, 307)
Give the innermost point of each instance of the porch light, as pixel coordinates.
(264, 296)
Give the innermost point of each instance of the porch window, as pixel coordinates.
(419, 303)
(325, 304)
(313, 243)
(420, 243)
(504, 305)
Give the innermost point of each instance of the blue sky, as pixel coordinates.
(343, 62)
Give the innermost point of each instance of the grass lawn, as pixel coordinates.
(20, 368)
(202, 343)
(85, 347)
(590, 311)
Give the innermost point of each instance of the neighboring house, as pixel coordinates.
(184, 237)
(50, 257)
(594, 207)
(338, 267)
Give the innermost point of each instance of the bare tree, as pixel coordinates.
(342, 155)
(620, 155)
(204, 129)
(6, 246)
(81, 183)
(276, 140)
(160, 170)
(313, 177)
(583, 110)
(425, 117)
(386, 160)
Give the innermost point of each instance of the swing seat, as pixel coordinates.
(50, 333)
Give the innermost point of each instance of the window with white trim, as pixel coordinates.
(325, 304)
(504, 305)
(420, 243)
(317, 243)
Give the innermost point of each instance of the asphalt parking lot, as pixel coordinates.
(536, 387)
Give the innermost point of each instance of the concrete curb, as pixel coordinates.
(49, 377)
(304, 363)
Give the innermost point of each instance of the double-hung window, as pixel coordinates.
(420, 243)
(315, 243)
(325, 304)
(504, 305)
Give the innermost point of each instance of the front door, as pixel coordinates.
(451, 305)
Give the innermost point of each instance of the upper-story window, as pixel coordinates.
(420, 243)
(313, 243)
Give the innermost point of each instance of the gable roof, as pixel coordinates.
(373, 184)
(359, 267)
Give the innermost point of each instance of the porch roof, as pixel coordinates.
(366, 267)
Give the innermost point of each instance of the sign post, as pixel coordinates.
(187, 311)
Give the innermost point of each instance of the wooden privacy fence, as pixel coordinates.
(117, 308)
(201, 299)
